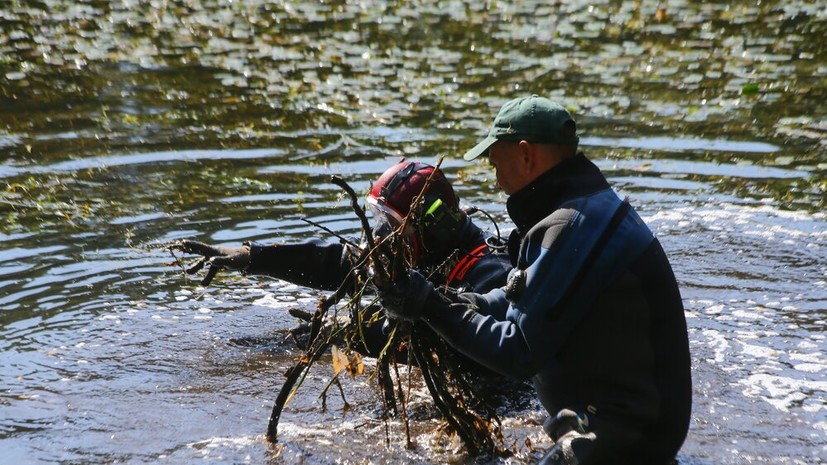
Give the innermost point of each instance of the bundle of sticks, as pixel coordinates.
(378, 265)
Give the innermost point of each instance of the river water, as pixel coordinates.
(127, 124)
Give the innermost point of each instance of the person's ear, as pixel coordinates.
(527, 157)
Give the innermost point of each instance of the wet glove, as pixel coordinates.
(572, 442)
(218, 257)
(230, 258)
(564, 422)
(404, 300)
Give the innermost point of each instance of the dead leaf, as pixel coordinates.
(339, 360)
(350, 362)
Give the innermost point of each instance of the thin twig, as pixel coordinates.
(404, 399)
(331, 232)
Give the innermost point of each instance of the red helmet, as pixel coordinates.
(437, 222)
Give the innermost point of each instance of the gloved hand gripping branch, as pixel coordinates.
(217, 257)
(404, 299)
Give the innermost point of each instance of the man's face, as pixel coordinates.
(504, 156)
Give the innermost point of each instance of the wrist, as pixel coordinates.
(435, 304)
(253, 252)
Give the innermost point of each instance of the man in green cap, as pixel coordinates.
(592, 313)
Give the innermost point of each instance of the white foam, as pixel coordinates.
(783, 392)
(718, 343)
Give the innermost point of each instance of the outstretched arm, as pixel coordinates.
(312, 263)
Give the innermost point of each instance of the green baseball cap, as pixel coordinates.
(533, 119)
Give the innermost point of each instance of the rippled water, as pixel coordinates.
(124, 125)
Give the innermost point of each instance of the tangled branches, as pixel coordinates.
(464, 409)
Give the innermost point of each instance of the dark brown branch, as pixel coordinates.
(380, 276)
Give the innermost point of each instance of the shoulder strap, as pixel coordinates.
(465, 264)
(602, 239)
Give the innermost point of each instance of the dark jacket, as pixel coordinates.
(615, 347)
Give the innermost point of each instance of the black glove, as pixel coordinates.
(573, 443)
(229, 258)
(564, 422)
(404, 300)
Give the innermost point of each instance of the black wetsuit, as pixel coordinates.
(604, 334)
(480, 264)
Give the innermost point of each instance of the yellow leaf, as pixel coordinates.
(340, 361)
(350, 362)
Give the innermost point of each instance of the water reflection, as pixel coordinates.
(126, 125)
(684, 144)
(86, 315)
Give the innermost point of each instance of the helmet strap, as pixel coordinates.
(398, 179)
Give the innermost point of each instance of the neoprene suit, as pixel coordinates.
(478, 267)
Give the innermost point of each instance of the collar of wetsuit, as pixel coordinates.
(572, 178)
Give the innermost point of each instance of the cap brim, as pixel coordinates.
(480, 148)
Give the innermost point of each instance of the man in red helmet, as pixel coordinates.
(441, 239)
(445, 244)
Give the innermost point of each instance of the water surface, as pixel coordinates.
(124, 125)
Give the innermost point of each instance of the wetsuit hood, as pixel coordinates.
(469, 235)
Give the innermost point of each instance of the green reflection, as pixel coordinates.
(96, 77)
